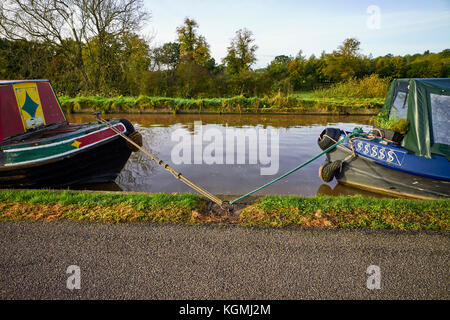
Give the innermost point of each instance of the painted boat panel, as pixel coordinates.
(397, 158)
(364, 173)
(99, 164)
(18, 156)
(9, 110)
(389, 169)
(27, 105)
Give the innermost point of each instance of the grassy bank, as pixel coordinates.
(295, 103)
(275, 211)
(353, 96)
(350, 212)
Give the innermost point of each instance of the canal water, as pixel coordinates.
(297, 141)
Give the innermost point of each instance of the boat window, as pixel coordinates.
(399, 107)
(440, 116)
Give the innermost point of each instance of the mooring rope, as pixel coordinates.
(176, 174)
(222, 203)
(355, 132)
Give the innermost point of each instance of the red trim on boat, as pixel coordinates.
(100, 135)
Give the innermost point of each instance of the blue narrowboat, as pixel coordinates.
(415, 164)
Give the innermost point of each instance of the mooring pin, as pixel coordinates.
(227, 206)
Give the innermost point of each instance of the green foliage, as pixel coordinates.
(239, 103)
(185, 69)
(400, 126)
(193, 79)
(368, 87)
(192, 45)
(241, 52)
(344, 63)
(88, 42)
(383, 120)
(166, 56)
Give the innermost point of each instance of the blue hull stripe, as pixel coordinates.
(397, 158)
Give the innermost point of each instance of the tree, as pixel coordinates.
(349, 48)
(241, 53)
(305, 73)
(73, 26)
(398, 67)
(279, 66)
(344, 63)
(23, 58)
(193, 79)
(192, 45)
(167, 56)
(133, 61)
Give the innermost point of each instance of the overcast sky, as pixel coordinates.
(287, 26)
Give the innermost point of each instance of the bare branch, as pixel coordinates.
(71, 24)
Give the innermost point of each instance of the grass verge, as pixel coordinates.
(274, 211)
(349, 212)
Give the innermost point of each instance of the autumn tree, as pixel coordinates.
(192, 45)
(132, 61)
(344, 63)
(74, 26)
(241, 52)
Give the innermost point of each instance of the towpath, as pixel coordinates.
(154, 261)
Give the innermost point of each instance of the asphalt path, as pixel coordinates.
(151, 261)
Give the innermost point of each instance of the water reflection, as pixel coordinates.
(297, 143)
(110, 186)
(233, 120)
(341, 190)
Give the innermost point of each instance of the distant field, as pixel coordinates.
(345, 101)
(273, 211)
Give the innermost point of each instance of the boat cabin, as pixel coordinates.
(425, 103)
(26, 105)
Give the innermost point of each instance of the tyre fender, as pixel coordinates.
(328, 170)
(328, 137)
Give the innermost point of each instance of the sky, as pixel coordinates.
(283, 27)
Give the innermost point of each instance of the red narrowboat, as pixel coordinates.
(40, 148)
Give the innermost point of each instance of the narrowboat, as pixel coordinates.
(414, 164)
(40, 148)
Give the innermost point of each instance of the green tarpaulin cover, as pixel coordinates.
(426, 105)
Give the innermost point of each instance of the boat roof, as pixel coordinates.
(443, 83)
(21, 81)
(426, 105)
